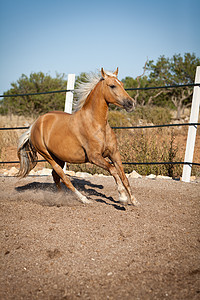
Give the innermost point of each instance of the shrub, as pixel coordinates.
(118, 118)
(151, 114)
(157, 145)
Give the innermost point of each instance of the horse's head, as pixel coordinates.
(114, 91)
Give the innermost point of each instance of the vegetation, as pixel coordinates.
(166, 71)
(142, 114)
(37, 104)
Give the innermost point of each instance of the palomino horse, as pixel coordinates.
(84, 136)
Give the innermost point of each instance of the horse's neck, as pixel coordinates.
(97, 106)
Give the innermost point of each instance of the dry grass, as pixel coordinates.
(150, 145)
(9, 138)
(14, 121)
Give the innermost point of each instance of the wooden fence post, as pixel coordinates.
(192, 130)
(69, 98)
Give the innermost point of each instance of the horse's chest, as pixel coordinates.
(94, 140)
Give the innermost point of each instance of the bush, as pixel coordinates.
(157, 145)
(118, 118)
(146, 114)
(37, 104)
(151, 114)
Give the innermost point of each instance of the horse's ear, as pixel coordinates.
(103, 73)
(116, 72)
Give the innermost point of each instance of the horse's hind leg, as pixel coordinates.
(59, 171)
(56, 177)
(58, 174)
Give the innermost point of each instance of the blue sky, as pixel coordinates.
(81, 36)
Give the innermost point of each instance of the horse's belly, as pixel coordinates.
(68, 152)
(72, 157)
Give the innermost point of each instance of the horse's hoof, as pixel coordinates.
(85, 200)
(82, 198)
(135, 203)
(123, 201)
(123, 198)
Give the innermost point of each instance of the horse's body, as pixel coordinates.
(84, 136)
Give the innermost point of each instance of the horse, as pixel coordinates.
(80, 137)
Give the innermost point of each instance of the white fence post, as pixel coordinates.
(192, 130)
(69, 95)
(69, 98)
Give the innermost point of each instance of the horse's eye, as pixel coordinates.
(112, 86)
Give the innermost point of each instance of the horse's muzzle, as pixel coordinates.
(128, 105)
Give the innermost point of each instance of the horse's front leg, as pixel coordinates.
(98, 160)
(116, 159)
(123, 199)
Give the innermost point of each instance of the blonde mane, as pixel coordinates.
(84, 88)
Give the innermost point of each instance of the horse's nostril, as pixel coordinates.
(128, 104)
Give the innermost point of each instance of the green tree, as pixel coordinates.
(144, 97)
(35, 104)
(141, 96)
(177, 70)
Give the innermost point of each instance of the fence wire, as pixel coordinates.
(121, 127)
(127, 89)
(125, 163)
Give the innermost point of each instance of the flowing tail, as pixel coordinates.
(27, 154)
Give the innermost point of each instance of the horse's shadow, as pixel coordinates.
(85, 186)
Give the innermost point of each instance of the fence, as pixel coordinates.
(192, 124)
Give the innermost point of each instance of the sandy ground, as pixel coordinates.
(54, 247)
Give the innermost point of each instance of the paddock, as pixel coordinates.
(54, 247)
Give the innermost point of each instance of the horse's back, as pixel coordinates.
(52, 124)
(49, 118)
